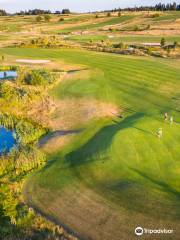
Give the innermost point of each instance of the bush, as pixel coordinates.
(9, 68)
(149, 51)
(120, 45)
(39, 19)
(136, 28)
(35, 77)
(155, 15)
(163, 42)
(175, 44)
(47, 18)
(61, 19)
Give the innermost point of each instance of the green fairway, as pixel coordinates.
(124, 38)
(116, 174)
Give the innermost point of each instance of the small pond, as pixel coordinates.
(7, 140)
(8, 75)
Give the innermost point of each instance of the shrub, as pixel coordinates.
(47, 18)
(163, 42)
(35, 77)
(61, 19)
(39, 19)
(136, 28)
(155, 15)
(148, 27)
(119, 45)
(175, 44)
(149, 51)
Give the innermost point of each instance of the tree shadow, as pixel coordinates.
(163, 186)
(77, 70)
(144, 131)
(58, 133)
(100, 142)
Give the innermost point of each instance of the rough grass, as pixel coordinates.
(168, 16)
(93, 24)
(116, 172)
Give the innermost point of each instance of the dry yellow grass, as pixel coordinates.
(69, 113)
(105, 221)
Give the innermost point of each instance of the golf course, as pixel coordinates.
(112, 155)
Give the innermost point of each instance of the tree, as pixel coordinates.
(163, 42)
(47, 18)
(175, 44)
(174, 6)
(3, 12)
(39, 19)
(66, 11)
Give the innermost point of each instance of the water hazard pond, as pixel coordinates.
(7, 75)
(7, 140)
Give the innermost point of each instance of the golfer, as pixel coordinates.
(159, 133)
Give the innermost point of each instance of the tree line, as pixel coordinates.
(158, 7)
(36, 12)
(3, 12)
(42, 12)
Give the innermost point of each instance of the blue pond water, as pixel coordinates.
(7, 140)
(7, 74)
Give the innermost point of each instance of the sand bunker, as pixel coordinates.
(32, 61)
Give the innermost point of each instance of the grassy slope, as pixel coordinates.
(168, 16)
(116, 170)
(105, 22)
(125, 38)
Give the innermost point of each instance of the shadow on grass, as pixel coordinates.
(160, 202)
(162, 185)
(59, 133)
(77, 70)
(96, 145)
(100, 142)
